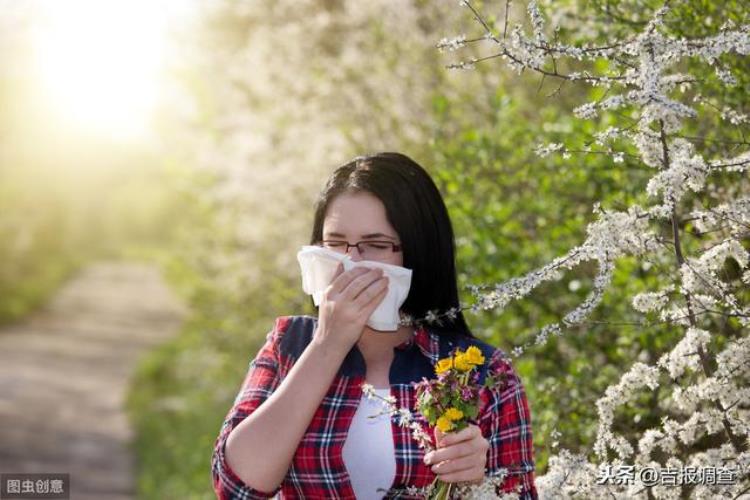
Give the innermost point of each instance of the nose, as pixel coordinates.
(355, 255)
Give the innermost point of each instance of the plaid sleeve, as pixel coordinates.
(505, 422)
(261, 380)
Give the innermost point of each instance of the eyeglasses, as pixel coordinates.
(370, 249)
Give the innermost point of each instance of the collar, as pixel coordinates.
(427, 341)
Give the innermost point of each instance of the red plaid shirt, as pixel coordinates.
(317, 470)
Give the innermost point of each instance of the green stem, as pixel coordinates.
(443, 490)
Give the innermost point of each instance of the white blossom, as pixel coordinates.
(639, 376)
(726, 77)
(607, 135)
(545, 149)
(451, 44)
(652, 301)
(685, 353)
(586, 111)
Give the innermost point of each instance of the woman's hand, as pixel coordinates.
(461, 456)
(347, 304)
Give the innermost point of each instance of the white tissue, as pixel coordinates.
(318, 267)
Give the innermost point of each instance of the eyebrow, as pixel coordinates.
(371, 235)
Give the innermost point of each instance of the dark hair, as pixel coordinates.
(415, 209)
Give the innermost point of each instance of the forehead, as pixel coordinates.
(356, 214)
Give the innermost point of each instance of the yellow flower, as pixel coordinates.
(443, 365)
(453, 414)
(474, 355)
(444, 424)
(462, 363)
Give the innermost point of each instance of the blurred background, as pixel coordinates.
(158, 166)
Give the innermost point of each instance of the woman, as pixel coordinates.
(299, 426)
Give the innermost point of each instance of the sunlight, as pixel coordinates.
(101, 63)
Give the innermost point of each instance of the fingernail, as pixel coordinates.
(427, 459)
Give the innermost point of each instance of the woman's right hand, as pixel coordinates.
(347, 304)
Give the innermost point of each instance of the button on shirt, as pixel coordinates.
(318, 469)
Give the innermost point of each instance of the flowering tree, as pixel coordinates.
(652, 77)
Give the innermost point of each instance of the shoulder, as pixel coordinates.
(292, 334)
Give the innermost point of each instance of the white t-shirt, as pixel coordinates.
(368, 451)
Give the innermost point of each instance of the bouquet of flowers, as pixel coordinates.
(451, 401)
(448, 403)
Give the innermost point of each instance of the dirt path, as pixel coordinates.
(64, 374)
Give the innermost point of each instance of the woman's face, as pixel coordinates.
(361, 217)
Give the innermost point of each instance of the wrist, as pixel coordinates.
(329, 347)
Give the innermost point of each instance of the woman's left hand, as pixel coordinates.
(461, 456)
